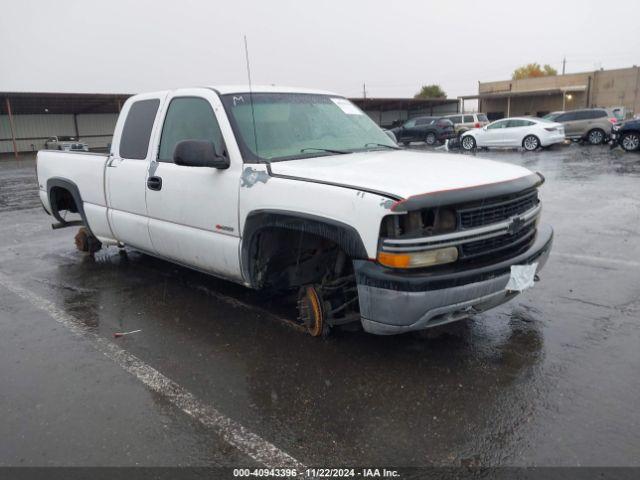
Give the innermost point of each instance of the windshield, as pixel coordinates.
(296, 125)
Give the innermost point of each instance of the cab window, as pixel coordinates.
(136, 132)
(497, 125)
(520, 123)
(189, 118)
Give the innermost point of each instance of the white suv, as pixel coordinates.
(463, 122)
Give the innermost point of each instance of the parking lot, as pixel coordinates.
(219, 376)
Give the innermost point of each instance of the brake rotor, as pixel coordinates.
(85, 242)
(310, 310)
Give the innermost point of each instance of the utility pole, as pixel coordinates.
(564, 63)
(364, 91)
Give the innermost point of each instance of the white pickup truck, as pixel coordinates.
(297, 190)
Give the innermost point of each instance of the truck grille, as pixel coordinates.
(495, 229)
(498, 211)
(503, 243)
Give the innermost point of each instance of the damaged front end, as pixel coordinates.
(450, 256)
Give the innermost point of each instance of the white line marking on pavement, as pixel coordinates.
(601, 260)
(231, 431)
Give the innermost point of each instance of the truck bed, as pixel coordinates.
(83, 171)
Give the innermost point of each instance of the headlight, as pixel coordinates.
(419, 223)
(426, 258)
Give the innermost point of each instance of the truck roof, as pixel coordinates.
(225, 89)
(233, 89)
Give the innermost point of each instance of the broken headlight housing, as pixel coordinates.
(418, 224)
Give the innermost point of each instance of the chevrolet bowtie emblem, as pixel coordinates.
(516, 225)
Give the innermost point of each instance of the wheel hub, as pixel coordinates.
(310, 310)
(530, 143)
(631, 142)
(596, 137)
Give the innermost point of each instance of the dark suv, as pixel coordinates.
(627, 135)
(430, 130)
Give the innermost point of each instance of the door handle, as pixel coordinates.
(154, 183)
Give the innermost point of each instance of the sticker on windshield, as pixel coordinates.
(346, 106)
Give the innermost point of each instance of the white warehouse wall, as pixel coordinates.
(33, 130)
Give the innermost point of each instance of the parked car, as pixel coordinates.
(627, 135)
(463, 122)
(430, 130)
(590, 124)
(553, 115)
(65, 143)
(296, 190)
(527, 132)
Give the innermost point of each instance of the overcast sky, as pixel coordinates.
(393, 47)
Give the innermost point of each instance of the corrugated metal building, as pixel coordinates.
(28, 119)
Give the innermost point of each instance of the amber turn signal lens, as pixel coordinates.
(426, 258)
(394, 260)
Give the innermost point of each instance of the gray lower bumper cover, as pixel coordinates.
(389, 307)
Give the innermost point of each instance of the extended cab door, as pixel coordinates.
(126, 172)
(193, 211)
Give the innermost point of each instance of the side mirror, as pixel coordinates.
(199, 153)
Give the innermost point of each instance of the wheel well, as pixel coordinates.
(303, 247)
(595, 129)
(531, 135)
(61, 199)
(286, 259)
(464, 137)
(65, 196)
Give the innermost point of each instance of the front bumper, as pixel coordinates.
(394, 302)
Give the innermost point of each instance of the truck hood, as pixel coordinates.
(400, 173)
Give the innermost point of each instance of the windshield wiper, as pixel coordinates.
(382, 145)
(323, 150)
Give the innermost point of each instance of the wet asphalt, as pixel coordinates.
(551, 378)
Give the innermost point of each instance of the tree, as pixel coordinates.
(430, 91)
(533, 70)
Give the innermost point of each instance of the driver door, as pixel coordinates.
(407, 131)
(193, 211)
(495, 135)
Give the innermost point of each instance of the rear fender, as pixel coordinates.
(72, 188)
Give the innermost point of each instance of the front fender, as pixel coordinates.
(346, 236)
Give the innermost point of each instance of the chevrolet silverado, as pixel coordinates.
(299, 191)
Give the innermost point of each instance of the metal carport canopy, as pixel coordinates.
(25, 103)
(400, 103)
(526, 93)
